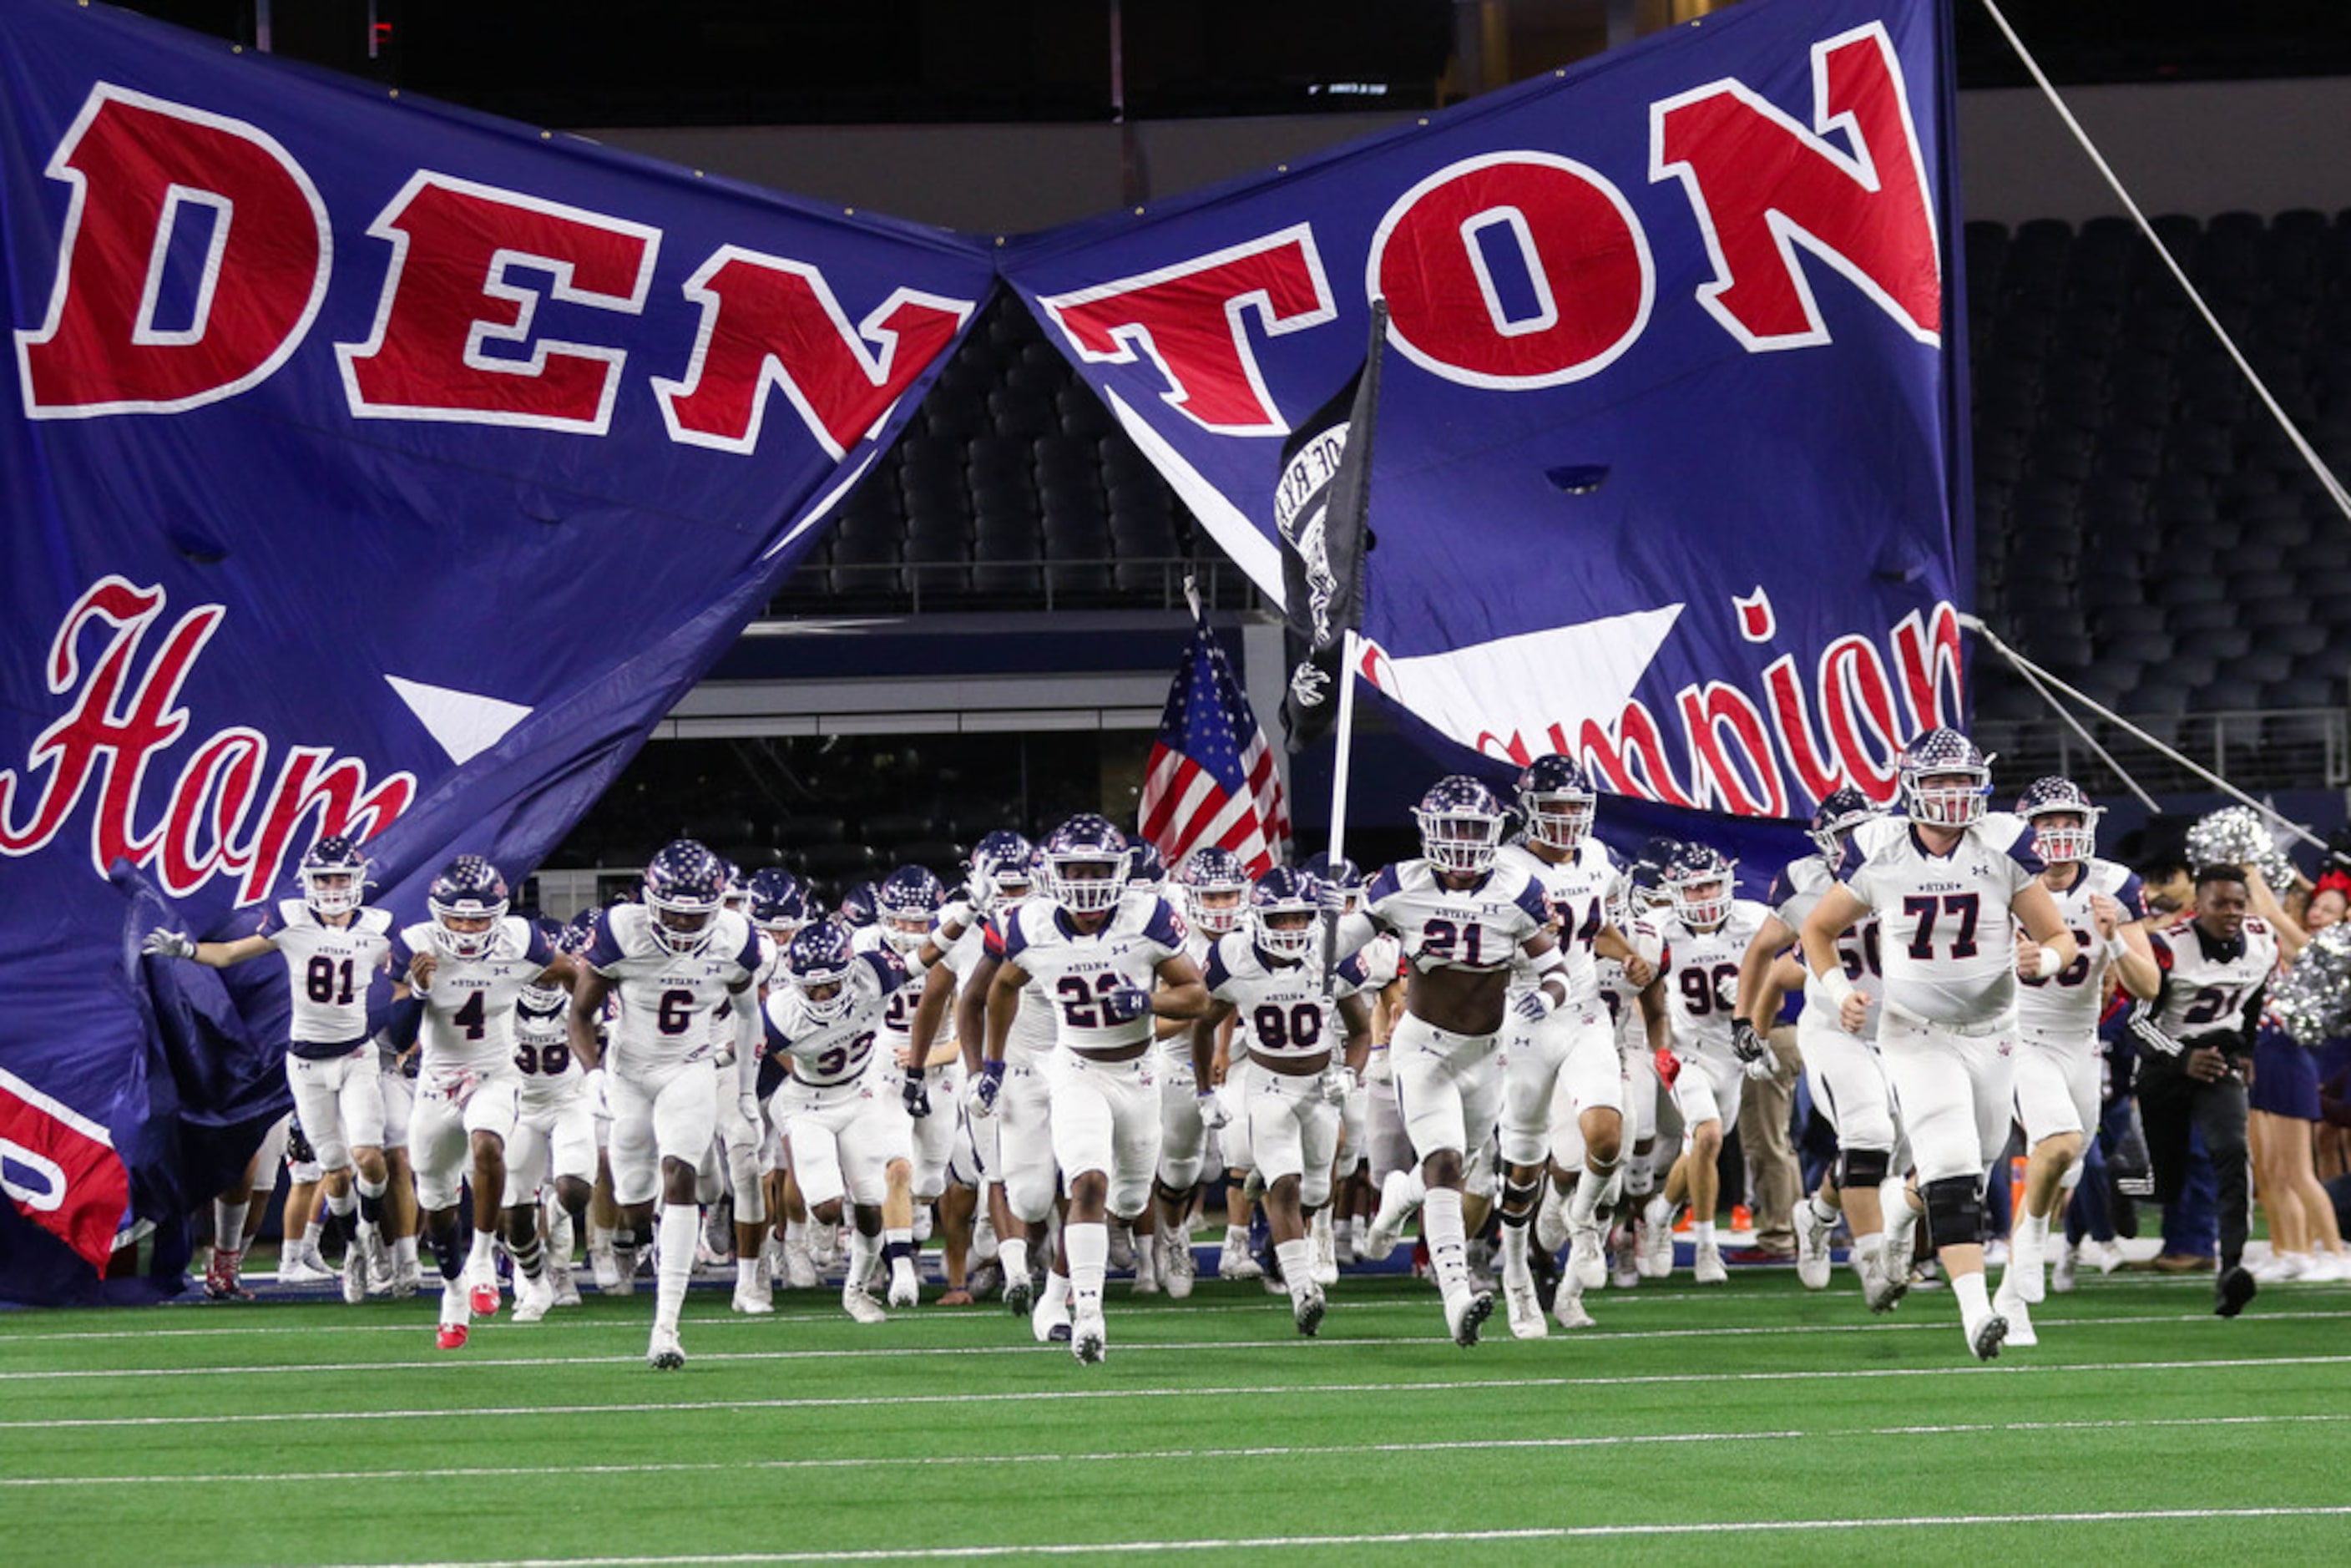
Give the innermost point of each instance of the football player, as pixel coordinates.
(2057, 1062)
(673, 960)
(1097, 946)
(468, 966)
(1949, 886)
(333, 945)
(1841, 1067)
(847, 1139)
(1463, 921)
(1707, 936)
(1215, 887)
(552, 1152)
(1574, 1045)
(1267, 978)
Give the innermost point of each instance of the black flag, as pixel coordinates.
(1322, 504)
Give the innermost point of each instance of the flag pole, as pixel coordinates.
(1342, 735)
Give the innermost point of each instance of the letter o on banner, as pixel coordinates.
(1513, 270)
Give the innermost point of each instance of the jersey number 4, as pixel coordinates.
(1965, 908)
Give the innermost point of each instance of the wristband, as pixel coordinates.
(2050, 962)
(2116, 948)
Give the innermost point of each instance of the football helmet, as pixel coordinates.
(1699, 881)
(1556, 801)
(1346, 877)
(818, 962)
(857, 911)
(999, 871)
(1461, 824)
(333, 874)
(1284, 893)
(1945, 779)
(578, 936)
(686, 887)
(1145, 867)
(779, 904)
(907, 902)
(1840, 812)
(1216, 889)
(2060, 846)
(737, 896)
(1085, 864)
(469, 888)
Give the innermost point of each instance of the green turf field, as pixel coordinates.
(1749, 1419)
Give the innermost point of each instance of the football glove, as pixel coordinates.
(748, 1104)
(1746, 1044)
(1338, 1083)
(1534, 1006)
(990, 1085)
(917, 1094)
(162, 943)
(1126, 1004)
(1669, 1066)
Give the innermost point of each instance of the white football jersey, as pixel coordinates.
(2071, 1002)
(1280, 1009)
(666, 1002)
(2207, 983)
(1575, 891)
(1701, 971)
(552, 1075)
(835, 1053)
(1946, 937)
(1479, 929)
(1076, 970)
(1794, 892)
(469, 1008)
(1620, 996)
(327, 968)
(1034, 1027)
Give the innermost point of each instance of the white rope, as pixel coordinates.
(2032, 675)
(2326, 479)
(1976, 626)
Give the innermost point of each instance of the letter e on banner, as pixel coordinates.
(141, 168)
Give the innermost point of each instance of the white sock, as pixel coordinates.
(864, 1255)
(1895, 1196)
(1702, 1233)
(484, 1253)
(404, 1250)
(1057, 1287)
(1584, 1203)
(228, 1227)
(1089, 1249)
(746, 1274)
(1297, 1266)
(1516, 1272)
(1013, 1252)
(1821, 1211)
(1448, 1239)
(680, 1223)
(1975, 1300)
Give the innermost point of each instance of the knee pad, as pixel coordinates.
(1518, 1204)
(1862, 1167)
(1955, 1211)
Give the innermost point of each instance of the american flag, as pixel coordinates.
(1212, 777)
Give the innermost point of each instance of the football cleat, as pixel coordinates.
(2011, 1306)
(1881, 1289)
(1568, 1307)
(452, 1336)
(1657, 1239)
(305, 1267)
(567, 1289)
(1146, 1264)
(1524, 1309)
(1466, 1315)
(1986, 1335)
(1049, 1319)
(1550, 1217)
(1707, 1268)
(1396, 1205)
(1587, 1264)
(752, 1301)
(862, 1307)
(482, 1295)
(1019, 1294)
(221, 1283)
(1812, 1255)
(1178, 1267)
(2061, 1272)
(664, 1354)
(1235, 1262)
(1088, 1338)
(407, 1277)
(1306, 1310)
(1624, 1256)
(2232, 1290)
(905, 1290)
(532, 1298)
(799, 1266)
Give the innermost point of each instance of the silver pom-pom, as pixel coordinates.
(2313, 999)
(2238, 836)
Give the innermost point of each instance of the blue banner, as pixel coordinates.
(374, 467)
(1670, 472)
